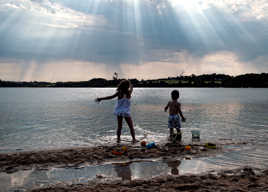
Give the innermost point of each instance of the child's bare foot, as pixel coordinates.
(170, 138)
(134, 141)
(118, 141)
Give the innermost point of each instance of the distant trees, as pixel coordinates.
(206, 80)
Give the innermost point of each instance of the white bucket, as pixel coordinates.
(195, 134)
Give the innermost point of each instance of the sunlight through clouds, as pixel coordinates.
(68, 70)
(52, 14)
(183, 62)
(246, 9)
(194, 36)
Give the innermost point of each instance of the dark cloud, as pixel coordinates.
(119, 32)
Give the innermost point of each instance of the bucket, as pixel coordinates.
(195, 134)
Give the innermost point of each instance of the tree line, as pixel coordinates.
(206, 80)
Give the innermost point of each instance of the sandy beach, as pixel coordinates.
(243, 179)
(12, 162)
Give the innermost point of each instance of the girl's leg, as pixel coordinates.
(130, 125)
(119, 128)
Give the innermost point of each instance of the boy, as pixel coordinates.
(174, 114)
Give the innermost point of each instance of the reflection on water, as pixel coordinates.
(173, 165)
(145, 169)
(123, 170)
(59, 118)
(112, 171)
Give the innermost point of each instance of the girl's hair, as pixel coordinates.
(123, 88)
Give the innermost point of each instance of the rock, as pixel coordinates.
(235, 179)
(188, 157)
(184, 187)
(252, 178)
(253, 185)
(248, 171)
(212, 176)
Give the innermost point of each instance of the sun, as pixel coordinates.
(186, 4)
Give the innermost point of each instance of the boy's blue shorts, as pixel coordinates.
(174, 121)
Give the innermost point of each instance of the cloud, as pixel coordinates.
(68, 70)
(9, 71)
(246, 9)
(51, 14)
(178, 62)
(184, 62)
(125, 35)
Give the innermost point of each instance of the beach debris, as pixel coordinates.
(117, 152)
(100, 176)
(202, 148)
(210, 145)
(121, 151)
(188, 158)
(195, 134)
(124, 148)
(188, 147)
(150, 145)
(143, 143)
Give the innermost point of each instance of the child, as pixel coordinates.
(174, 114)
(122, 108)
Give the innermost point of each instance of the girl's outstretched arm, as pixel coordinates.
(130, 89)
(106, 98)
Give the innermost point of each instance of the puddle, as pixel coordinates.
(25, 180)
(232, 158)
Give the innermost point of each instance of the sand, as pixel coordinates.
(244, 179)
(13, 162)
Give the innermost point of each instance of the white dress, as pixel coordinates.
(122, 107)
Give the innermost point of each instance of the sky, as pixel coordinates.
(77, 40)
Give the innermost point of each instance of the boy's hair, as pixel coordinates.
(175, 94)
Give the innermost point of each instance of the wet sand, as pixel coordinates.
(236, 180)
(242, 180)
(13, 162)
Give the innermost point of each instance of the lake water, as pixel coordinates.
(45, 118)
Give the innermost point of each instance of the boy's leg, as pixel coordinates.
(130, 125)
(119, 128)
(171, 133)
(178, 134)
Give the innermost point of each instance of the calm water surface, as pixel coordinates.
(40, 118)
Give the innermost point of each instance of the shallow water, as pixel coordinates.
(41, 118)
(145, 169)
(229, 159)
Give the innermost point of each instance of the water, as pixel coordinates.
(43, 118)
(147, 169)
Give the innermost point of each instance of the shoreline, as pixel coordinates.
(243, 180)
(76, 156)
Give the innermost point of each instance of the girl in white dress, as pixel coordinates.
(122, 108)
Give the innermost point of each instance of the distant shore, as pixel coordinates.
(207, 80)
